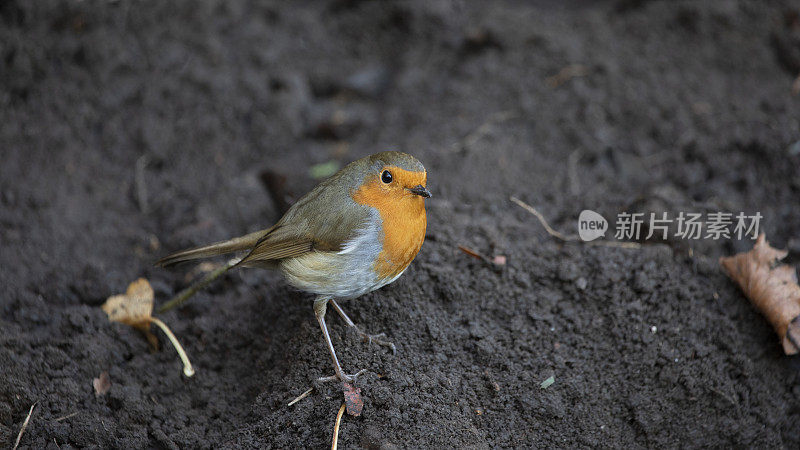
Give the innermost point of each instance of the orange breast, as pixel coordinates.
(404, 224)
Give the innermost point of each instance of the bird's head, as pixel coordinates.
(393, 179)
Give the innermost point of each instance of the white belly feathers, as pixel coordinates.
(345, 274)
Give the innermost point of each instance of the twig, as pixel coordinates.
(497, 261)
(185, 294)
(618, 244)
(187, 366)
(59, 419)
(550, 231)
(724, 395)
(473, 253)
(301, 396)
(25, 425)
(566, 74)
(335, 443)
(141, 184)
(572, 237)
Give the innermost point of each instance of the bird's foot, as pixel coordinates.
(379, 339)
(369, 338)
(342, 377)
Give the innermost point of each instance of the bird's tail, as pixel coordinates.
(245, 242)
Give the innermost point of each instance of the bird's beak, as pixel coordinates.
(421, 191)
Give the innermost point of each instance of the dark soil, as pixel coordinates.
(679, 106)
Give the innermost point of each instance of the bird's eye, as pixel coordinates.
(386, 177)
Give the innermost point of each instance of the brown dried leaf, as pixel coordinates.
(134, 307)
(352, 398)
(102, 384)
(772, 289)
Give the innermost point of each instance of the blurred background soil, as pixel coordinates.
(129, 129)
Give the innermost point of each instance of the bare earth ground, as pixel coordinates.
(678, 106)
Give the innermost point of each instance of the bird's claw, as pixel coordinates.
(378, 339)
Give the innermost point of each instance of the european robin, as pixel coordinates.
(355, 232)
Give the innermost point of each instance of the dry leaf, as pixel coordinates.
(135, 308)
(352, 398)
(772, 289)
(101, 384)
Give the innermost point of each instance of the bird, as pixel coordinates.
(355, 232)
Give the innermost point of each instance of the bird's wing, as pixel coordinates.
(278, 244)
(297, 237)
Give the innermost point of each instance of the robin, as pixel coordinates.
(355, 232)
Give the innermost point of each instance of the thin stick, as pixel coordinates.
(187, 366)
(301, 396)
(25, 425)
(185, 294)
(572, 237)
(616, 244)
(724, 395)
(335, 443)
(565, 74)
(542, 220)
(59, 419)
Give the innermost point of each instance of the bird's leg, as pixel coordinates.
(369, 338)
(320, 305)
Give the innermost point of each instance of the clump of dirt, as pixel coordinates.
(130, 131)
